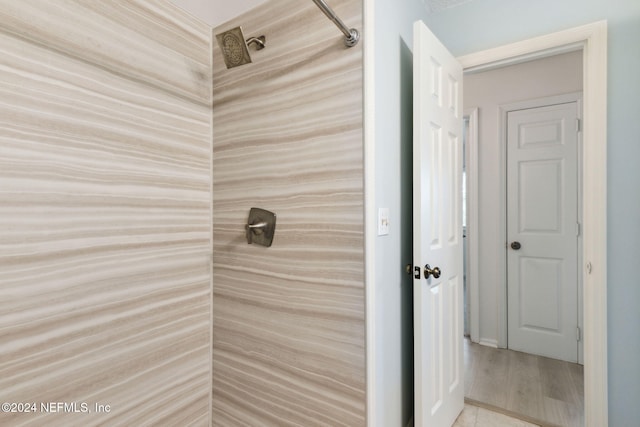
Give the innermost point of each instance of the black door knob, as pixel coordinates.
(515, 245)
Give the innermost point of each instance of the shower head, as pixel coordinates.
(235, 49)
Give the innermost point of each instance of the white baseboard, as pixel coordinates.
(488, 343)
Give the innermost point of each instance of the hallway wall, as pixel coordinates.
(289, 321)
(105, 212)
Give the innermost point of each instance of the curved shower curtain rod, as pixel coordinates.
(352, 35)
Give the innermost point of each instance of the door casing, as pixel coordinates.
(592, 40)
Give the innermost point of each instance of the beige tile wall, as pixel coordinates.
(105, 212)
(288, 335)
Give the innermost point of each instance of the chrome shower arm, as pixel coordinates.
(352, 35)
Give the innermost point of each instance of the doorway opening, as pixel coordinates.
(591, 41)
(529, 168)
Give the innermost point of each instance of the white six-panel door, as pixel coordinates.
(437, 232)
(542, 209)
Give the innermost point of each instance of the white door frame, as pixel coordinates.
(592, 40)
(473, 253)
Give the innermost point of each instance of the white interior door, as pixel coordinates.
(542, 228)
(437, 232)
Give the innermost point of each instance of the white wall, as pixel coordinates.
(487, 91)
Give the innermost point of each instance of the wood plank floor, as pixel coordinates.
(476, 416)
(546, 391)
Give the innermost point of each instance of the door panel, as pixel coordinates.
(437, 186)
(539, 303)
(540, 197)
(542, 209)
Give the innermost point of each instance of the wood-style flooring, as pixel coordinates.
(475, 416)
(538, 389)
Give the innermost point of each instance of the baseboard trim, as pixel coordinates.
(488, 343)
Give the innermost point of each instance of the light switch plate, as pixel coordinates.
(383, 221)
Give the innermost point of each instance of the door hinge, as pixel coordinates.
(578, 125)
(578, 334)
(577, 229)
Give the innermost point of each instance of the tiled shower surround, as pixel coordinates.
(105, 213)
(129, 160)
(288, 327)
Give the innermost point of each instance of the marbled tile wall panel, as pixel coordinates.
(105, 212)
(288, 334)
